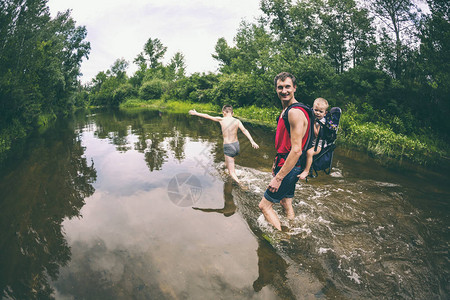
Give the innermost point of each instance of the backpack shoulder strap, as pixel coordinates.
(310, 129)
(307, 109)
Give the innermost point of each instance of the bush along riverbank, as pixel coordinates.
(356, 131)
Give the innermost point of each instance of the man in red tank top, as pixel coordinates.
(289, 148)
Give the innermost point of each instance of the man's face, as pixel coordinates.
(285, 89)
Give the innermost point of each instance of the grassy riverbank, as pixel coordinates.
(376, 139)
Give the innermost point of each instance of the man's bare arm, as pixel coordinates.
(297, 121)
(206, 116)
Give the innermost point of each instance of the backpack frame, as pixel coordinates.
(327, 132)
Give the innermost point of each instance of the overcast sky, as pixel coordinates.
(120, 28)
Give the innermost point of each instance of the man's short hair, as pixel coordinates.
(227, 108)
(282, 76)
(322, 101)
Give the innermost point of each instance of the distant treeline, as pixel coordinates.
(387, 58)
(387, 62)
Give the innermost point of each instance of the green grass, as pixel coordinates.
(170, 105)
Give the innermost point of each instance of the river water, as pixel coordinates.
(138, 205)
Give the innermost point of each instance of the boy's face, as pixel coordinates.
(319, 110)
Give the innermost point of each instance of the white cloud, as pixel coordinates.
(119, 29)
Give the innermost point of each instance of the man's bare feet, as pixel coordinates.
(234, 177)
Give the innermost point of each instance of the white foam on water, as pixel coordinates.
(255, 189)
(255, 180)
(303, 203)
(322, 220)
(386, 184)
(264, 225)
(324, 250)
(378, 229)
(353, 275)
(319, 194)
(336, 174)
(304, 230)
(301, 218)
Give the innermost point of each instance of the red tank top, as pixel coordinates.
(283, 139)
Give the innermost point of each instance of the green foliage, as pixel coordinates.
(265, 115)
(153, 89)
(103, 92)
(235, 89)
(379, 139)
(40, 59)
(123, 92)
(110, 88)
(195, 88)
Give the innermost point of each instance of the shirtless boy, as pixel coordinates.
(230, 126)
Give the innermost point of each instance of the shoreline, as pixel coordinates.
(376, 141)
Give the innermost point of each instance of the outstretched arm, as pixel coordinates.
(206, 116)
(248, 135)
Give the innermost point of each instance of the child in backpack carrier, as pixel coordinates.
(320, 108)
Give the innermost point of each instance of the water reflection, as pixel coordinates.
(271, 270)
(229, 207)
(47, 184)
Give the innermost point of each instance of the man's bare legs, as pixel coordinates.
(229, 163)
(266, 207)
(288, 209)
(269, 213)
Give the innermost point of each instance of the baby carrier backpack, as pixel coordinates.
(327, 133)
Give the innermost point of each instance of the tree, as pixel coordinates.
(39, 61)
(177, 66)
(434, 62)
(224, 55)
(399, 19)
(153, 52)
(348, 36)
(294, 26)
(119, 68)
(252, 53)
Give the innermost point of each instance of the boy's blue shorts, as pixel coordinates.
(287, 187)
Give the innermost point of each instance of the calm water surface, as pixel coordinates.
(115, 205)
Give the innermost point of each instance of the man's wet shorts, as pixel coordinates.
(287, 187)
(231, 149)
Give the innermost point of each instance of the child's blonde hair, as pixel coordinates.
(321, 101)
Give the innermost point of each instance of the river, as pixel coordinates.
(138, 205)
